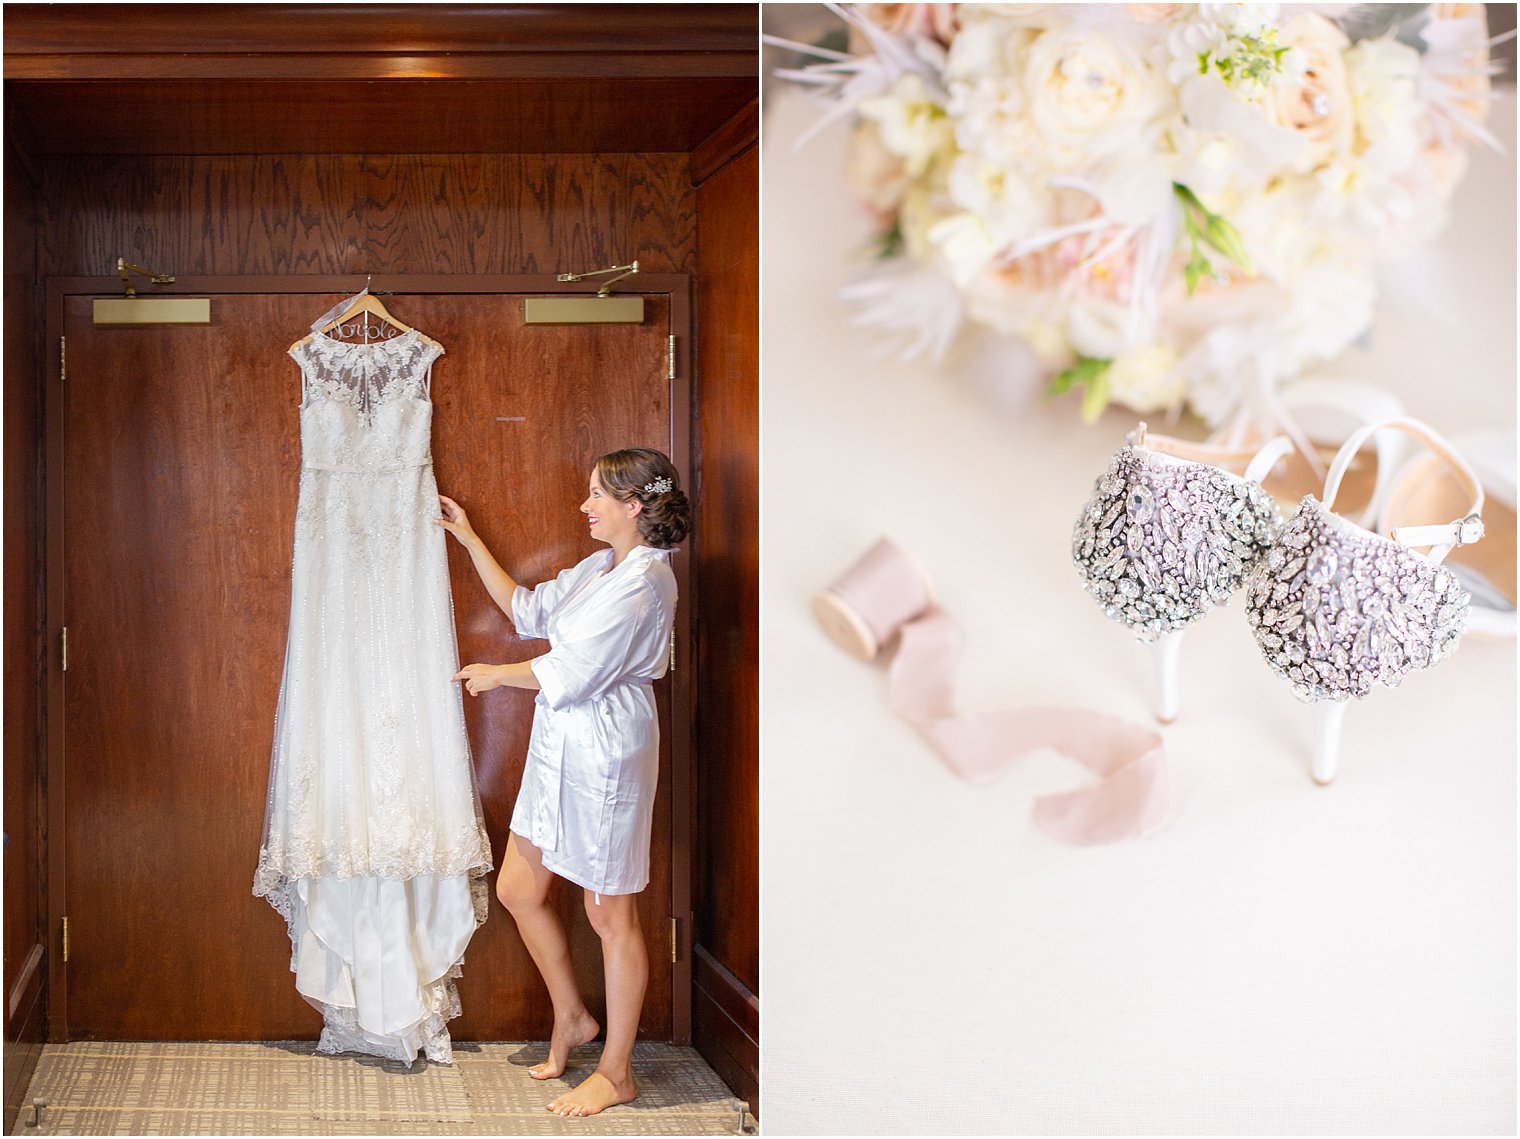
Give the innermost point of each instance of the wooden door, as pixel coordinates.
(179, 470)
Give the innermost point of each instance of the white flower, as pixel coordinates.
(1240, 19)
(1091, 97)
(1330, 304)
(911, 124)
(1010, 207)
(1315, 106)
(1106, 328)
(878, 178)
(1029, 157)
(1148, 378)
(1383, 76)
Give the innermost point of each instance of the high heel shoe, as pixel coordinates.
(1169, 532)
(1337, 609)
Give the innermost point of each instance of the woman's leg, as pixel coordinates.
(523, 887)
(625, 964)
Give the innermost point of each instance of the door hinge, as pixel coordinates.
(672, 667)
(64, 649)
(670, 358)
(65, 940)
(63, 357)
(675, 940)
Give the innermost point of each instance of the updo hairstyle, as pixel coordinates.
(666, 517)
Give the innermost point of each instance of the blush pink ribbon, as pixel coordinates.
(886, 595)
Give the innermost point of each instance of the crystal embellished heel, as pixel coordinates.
(1336, 609)
(1169, 532)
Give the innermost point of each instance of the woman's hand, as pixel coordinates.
(456, 522)
(480, 678)
(498, 582)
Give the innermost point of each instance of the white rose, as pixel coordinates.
(1090, 96)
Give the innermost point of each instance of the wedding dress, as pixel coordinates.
(374, 848)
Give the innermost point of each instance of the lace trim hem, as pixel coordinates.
(280, 864)
(342, 1032)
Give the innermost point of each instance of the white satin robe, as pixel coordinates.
(587, 797)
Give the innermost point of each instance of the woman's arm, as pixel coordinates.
(497, 581)
(480, 678)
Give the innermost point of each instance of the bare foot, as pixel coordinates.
(594, 1094)
(573, 1033)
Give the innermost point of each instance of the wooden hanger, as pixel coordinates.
(367, 303)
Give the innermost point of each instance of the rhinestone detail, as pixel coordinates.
(1390, 612)
(1161, 543)
(1321, 566)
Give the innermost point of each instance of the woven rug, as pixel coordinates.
(284, 1088)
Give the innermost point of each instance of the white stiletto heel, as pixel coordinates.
(1327, 740)
(1171, 530)
(1164, 655)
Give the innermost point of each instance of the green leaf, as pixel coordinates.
(889, 243)
(1203, 227)
(1188, 199)
(1224, 237)
(1090, 373)
(1196, 269)
(1095, 395)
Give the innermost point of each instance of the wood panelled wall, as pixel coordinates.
(456, 213)
(25, 968)
(726, 894)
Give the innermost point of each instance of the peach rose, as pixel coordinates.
(927, 21)
(1317, 106)
(1155, 13)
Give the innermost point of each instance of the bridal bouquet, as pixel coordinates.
(1168, 204)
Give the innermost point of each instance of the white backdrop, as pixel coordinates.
(1283, 957)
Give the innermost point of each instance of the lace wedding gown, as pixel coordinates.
(374, 848)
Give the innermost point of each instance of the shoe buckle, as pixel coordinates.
(1469, 530)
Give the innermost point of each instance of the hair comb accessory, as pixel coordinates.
(661, 485)
(885, 596)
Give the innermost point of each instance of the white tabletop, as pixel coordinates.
(1282, 957)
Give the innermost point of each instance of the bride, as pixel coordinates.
(586, 803)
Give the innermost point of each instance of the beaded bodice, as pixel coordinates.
(366, 406)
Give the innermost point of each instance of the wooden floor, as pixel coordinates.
(284, 1088)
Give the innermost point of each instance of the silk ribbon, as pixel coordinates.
(886, 596)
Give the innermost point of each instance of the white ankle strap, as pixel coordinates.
(1271, 453)
(1444, 537)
